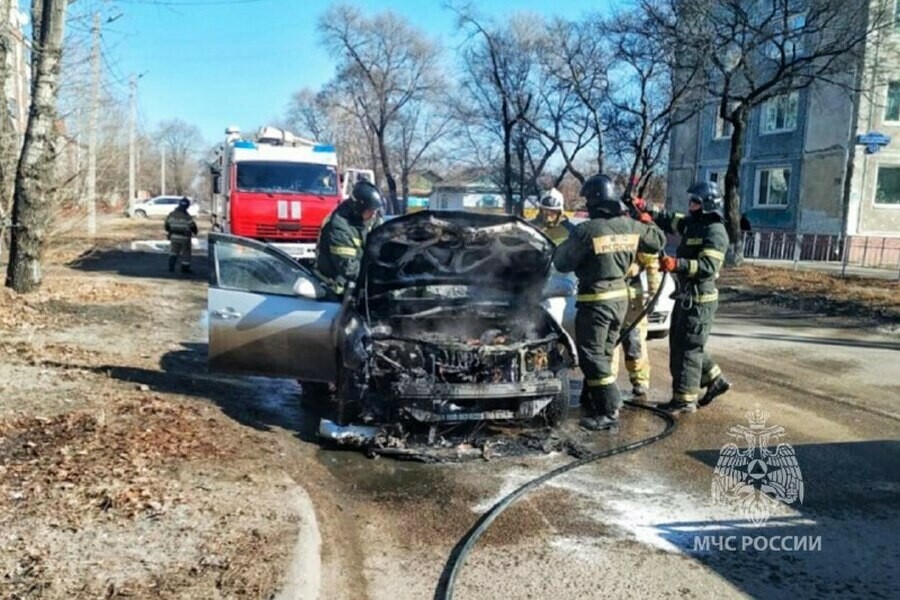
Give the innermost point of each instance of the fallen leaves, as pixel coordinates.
(92, 465)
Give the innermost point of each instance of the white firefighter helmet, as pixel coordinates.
(553, 200)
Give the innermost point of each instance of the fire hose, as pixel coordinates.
(444, 590)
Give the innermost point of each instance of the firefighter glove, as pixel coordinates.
(668, 264)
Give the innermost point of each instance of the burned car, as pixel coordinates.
(447, 322)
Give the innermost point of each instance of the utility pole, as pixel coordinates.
(162, 171)
(92, 129)
(132, 98)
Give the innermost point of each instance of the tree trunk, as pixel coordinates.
(388, 174)
(34, 176)
(733, 186)
(404, 190)
(8, 141)
(507, 168)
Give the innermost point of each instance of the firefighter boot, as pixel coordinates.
(605, 401)
(172, 261)
(719, 386)
(677, 407)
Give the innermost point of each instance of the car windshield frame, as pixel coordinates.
(285, 178)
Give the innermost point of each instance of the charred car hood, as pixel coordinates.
(459, 248)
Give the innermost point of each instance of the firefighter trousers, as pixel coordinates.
(597, 327)
(689, 362)
(637, 359)
(180, 249)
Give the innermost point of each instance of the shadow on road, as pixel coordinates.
(851, 505)
(136, 263)
(817, 341)
(258, 402)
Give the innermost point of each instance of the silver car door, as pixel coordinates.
(266, 313)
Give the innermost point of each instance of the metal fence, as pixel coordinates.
(856, 250)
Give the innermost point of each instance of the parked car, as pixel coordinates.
(447, 323)
(561, 303)
(160, 206)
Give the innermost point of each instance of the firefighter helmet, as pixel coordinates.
(553, 200)
(184, 203)
(601, 196)
(365, 196)
(707, 195)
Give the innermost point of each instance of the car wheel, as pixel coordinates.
(657, 335)
(314, 395)
(140, 213)
(558, 409)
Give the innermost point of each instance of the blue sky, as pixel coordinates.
(220, 62)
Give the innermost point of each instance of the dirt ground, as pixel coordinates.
(816, 292)
(115, 481)
(127, 470)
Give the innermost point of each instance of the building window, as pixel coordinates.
(896, 14)
(787, 37)
(887, 190)
(780, 113)
(772, 187)
(717, 177)
(892, 106)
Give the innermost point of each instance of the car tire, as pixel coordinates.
(558, 409)
(140, 213)
(314, 395)
(658, 335)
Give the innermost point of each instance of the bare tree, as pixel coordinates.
(752, 52)
(332, 116)
(500, 63)
(307, 116)
(647, 99)
(182, 142)
(384, 64)
(575, 61)
(34, 176)
(421, 126)
(8, 137)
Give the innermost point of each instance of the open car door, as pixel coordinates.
(267, 314)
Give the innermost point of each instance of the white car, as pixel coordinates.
(160, 206)
(560, 302)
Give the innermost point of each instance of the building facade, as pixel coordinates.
(810, 165)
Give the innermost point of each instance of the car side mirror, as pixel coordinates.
(307, 288)
(559, 285)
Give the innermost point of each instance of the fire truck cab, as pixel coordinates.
(276, 188)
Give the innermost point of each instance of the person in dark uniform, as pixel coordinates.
(600, 252)
(343, 236)
(696, 265)
(180, 229)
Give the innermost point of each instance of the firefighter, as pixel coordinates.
(634, 345)
(180, 229)
(343, 236)
(551, 219)
(600, 252)
(696, 265)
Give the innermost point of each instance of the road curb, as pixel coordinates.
(303, 577)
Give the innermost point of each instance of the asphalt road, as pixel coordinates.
(646, 524)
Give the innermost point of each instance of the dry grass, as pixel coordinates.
(819, 291)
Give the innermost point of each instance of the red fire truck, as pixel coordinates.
(276, 187)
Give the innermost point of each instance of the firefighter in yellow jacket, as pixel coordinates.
(551, 219)
(637, 357)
